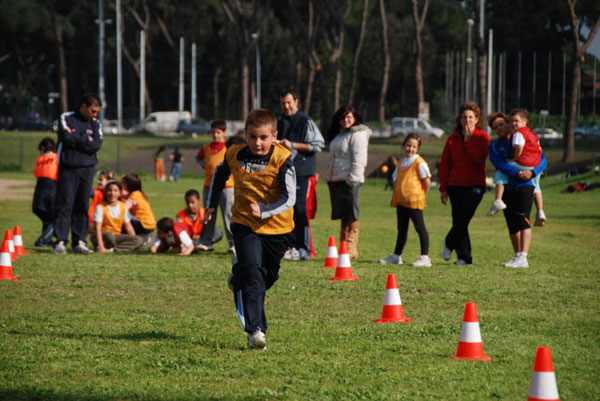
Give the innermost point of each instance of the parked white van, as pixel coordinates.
(163, 122)
(402, 126)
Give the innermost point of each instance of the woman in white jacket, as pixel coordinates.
(348, 147)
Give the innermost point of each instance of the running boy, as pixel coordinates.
(46, 172)
(174, 235)
(209, 157)
(262, 216)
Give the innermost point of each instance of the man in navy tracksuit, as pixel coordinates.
(79, 139)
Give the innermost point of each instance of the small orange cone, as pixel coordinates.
(343, 270)
(543, 383)
(469, 343)
(6, 272)
(11, 245)
(393, 311)
(18, 241)
(331, 259)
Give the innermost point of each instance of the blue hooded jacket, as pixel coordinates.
(499, 152)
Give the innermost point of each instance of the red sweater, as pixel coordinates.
(463, 163)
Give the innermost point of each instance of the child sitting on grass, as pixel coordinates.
(111, 218)
(143, 220)
(97, 194)
(174, 235)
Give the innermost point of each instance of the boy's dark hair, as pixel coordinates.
(288, 91)
(218, 124)
(412, 136)
(133, 182)
(192, 192)
(496, 116)
(521, 112)
(261, 117)
(47, 145)
(90, 99)
(108, 184)
(235, 140)
(165, 225)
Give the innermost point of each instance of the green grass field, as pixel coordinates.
(126, 327)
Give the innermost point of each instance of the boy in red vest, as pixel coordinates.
(193, 216)
(174, 235)
(46, 172)
(262, 216)
(526, 155)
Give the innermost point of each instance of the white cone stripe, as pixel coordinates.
(469, 332)
(11, 246)
(331, 252)
(344, 260)
(18, 240)
(392, 297)
(5, 259)
(543, 386)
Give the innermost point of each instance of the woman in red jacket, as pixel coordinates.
(462, 179)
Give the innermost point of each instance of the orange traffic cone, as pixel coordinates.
(343, 270)
(331, 259)
(11, 245)
(392, 304)
(543, 383)
(18, 241)
(469, 344)
(6, 272)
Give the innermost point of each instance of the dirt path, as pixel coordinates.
(15, 189)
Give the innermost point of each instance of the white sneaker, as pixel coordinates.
(514, 258)
(60, 248)
(393, 259)
(497, 205)
(204, 248)
(232, 249)
(291, 254)
(519, 262)
(540, 219)
(82, 248)
(446, 253)
(257, 340)
(461, 262)
(423, 261)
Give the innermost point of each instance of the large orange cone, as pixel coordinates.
(331, 259)
(6, 272)
(543, 383)
(392, 304)
(343, 270)
(11, 245)
(18, 241)
(469, 344)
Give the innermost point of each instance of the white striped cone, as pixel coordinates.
(6, 272)
(11, 245)
(543, 382)
(331, 258)
(343, 270)
(18, 241)
(393, 311)
(469, 343)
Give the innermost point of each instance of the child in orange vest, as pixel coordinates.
(192, 214)
(97, 194)
(412, 181)
(143, 220)
(111, 217)
(46, 172)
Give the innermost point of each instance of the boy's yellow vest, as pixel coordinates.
(261, 187)
(111, 224)
(408, 190)
(142, 211)
(211, 161)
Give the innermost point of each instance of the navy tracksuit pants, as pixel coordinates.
(72, 201)
(257, 270)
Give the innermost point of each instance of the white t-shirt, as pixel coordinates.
(518, 139)
(407, 161)
(113, 211)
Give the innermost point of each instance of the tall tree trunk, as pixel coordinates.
(62, 65)
(481, 67)
(385, 52)
(215, 91)
(418, 22)
(245, 83)
(361, 39)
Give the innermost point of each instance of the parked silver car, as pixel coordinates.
(547, 133)
(402, 126)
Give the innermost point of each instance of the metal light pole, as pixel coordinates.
(193, 85)
(490, 60)
(101, 21)
(255, 37)
(470, 22)
(119, 73)
(181, 74)
(142, 75)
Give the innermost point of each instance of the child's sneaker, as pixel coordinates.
(204, 248)
(497, 205)
(446, 253)
(82, 248)
(60, 248)
(291, 254)
(540, 219)
(393, 259)
(257, 340)
(423, 261)
(514, 258)
(519, 262)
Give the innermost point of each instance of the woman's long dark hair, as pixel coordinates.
(338, 116)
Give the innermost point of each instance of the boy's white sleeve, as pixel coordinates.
(518, 139)
(98, 214)
(185, 239)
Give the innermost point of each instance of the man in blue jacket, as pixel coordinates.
(79, 140)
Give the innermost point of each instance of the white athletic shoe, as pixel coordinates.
(540, 219)
(446, 253)
(519, 262)
(423, 261)
(291, 254)
(393, 259)
(497, 205)
(82, 248)
(257, 340)
(514, 258)
(60, 248)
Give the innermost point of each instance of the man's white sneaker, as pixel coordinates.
(393, 259)
(446, 253)
(423, 261)
(519, 262)
(82, 248)
(60, 248)
(257, 340)
(540, 219)
(497, 205)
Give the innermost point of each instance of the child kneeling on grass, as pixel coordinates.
(412, 179)
(110, 219)
(262, 217)
(174, 235)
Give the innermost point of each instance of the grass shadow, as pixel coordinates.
(142, 336)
